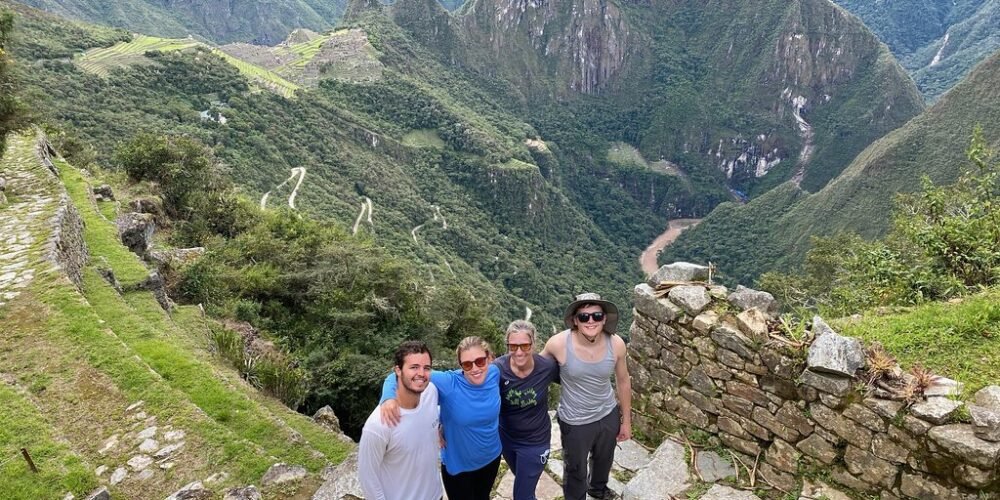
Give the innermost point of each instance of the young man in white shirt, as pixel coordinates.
(402, 462)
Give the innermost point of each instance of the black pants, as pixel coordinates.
(594, 441)
(471, 485)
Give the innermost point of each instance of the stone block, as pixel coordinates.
(989, 397)
(715, 370)
(832, 402)
(943, 386)
(986, 422)
(917, 486)
(752, 323)
(750, 447)
(783, 456)
(777, 478)
(768, 421)
(915, 426)
(691, 298)
(830, 384)
(887, 449)
(661, 477)
(730, 359)
(283, 473)
(691, 414)
(667, 335)
(842, 427)
(960, 441)
(793, 417)
(740, 406)
(713, 467)
(841, 476)
(818, 448)
(673, 363)
(756, 368)
(779, 364)
(731, 426)
(747, 298)
(870, 468)
(646, 302)
(832, 353)
(679, 271)
(936, 410)
(705, 347)
(734, 340)
(778, 386)
(865, 417)
(704, 322)
(903, 438)
(691, 356)
(701, 382)
(747, 392)
(663, 379)
(885, 408)
(700, 400)
(973, 477)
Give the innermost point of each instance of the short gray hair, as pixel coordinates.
(521, 325)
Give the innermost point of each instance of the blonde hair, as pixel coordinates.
(521, 325)
(470, 342)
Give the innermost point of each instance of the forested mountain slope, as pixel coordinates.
(772, 232)
(938, 41)
(219, 21)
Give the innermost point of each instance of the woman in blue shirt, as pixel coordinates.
(470, 408)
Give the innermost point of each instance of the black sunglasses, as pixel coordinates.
(585, 317)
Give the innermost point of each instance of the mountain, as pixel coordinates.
(938, 41)
(219, 21)
(772, 232)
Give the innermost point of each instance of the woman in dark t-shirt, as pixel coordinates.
(525, 428)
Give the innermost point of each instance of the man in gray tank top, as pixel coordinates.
(591, 418)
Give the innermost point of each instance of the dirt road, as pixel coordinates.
(648, 258)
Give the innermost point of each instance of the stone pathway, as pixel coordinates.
(30, 205)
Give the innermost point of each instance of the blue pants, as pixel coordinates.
(527, 463)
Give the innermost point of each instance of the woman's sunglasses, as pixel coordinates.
(467, 365)
(522, 347)
(585, 317)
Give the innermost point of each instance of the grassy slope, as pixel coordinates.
(86, 357)
(860, 199)
(960, 340)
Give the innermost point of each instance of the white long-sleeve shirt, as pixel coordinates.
(402, 462)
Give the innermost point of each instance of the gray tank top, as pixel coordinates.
(586, 395)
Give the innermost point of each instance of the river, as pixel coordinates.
(674, 229)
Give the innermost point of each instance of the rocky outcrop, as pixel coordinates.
(136, 231)
(801, 407)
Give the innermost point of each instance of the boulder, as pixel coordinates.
(832, 353)
(753, 323)
(943, 386)
(986, 422)
(104, 192)
(663, 476)
(679, 271)
(713, 467)
(691, 298)
(342, 481)
(281, 473)
(747, 298)
(136, 231)
(191, 491)
(327, 419)
(989, 397)
(631, 455)
(243, 493)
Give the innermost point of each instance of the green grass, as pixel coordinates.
(626, 154)
(22, 425)
(101, 61)
(960, 341)
(267, 78)
(427, 138)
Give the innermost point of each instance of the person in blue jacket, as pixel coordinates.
(470, 408)
(525, 427)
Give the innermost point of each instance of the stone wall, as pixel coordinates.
(710, 360)
(65, 247)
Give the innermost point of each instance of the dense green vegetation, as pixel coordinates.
(217, 21)
(859, 200)
(915, 32)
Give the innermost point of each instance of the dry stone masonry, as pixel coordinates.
(705, 358)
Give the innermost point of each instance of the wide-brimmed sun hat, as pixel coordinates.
(610, 310)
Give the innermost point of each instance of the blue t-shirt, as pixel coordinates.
(469, 418)
(524, 402)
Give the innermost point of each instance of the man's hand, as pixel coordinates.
(624, 432)
(389, 411)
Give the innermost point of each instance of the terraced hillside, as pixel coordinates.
(103, 387)
(102, 61)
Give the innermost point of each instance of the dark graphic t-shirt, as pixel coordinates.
(524, 409)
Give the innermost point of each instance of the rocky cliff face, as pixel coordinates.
(578, 45)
